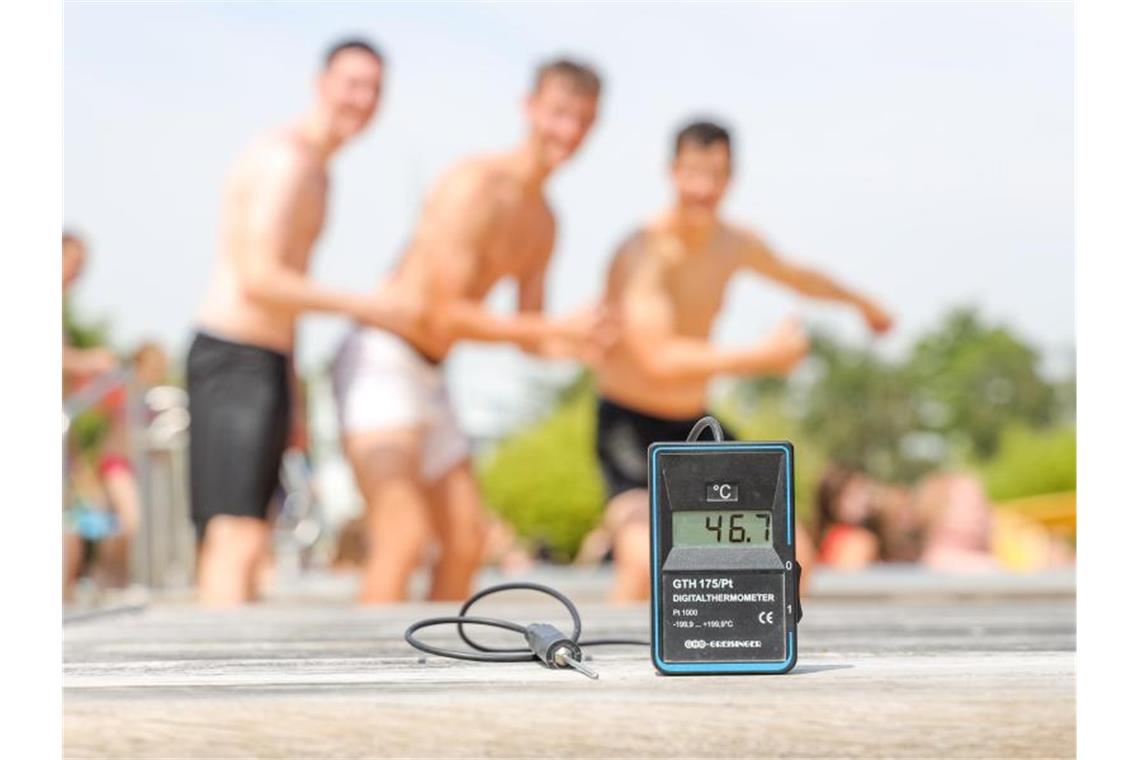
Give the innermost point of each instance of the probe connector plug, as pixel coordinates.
(554, 649)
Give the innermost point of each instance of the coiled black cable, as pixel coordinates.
(481, 652)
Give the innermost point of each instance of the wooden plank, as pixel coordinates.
(980, 677)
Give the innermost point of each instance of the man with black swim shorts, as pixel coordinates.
(665, 285)
(238, 373)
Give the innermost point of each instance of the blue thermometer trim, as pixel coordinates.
(718, 667)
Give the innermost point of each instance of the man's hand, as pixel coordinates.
(878, 320)
(587, 324)
(584, 335)
(605, 333)
(784, 347)
(763, 260)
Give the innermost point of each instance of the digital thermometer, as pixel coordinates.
(725, 578)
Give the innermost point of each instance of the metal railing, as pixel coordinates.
(158, 424)
(166, 541)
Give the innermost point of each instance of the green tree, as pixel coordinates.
(977, 379)
(962, 385)
(860, 408)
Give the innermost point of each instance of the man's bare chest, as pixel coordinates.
(516, 240)
(696, 290)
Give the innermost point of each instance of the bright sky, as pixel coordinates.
(921, 152)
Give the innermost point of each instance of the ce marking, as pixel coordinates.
(767, 618)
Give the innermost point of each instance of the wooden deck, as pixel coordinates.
(932, 670)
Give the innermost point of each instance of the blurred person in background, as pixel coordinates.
(957, 522)
(859, 520)
(665, 287)
(486, 219)
(965, 532)
(239, 369)
(104, 503)
(79, 363)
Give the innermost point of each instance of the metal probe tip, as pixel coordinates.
(564, 658)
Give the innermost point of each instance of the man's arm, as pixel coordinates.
(760, 258)
(566, 336)
(531, 302)
(647, 323)
(282, 191)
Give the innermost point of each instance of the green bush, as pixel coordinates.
(1030, 462)
(545, 480)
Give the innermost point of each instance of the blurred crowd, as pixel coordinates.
(645, 339)
(945, 522)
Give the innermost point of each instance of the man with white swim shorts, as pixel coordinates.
(485, 220)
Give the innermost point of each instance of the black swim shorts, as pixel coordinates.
(239, 426)
(623, 439)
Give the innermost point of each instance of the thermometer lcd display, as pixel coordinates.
(722, 527)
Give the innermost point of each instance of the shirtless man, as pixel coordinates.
(665, 286)
(239, 376)
(485, 220)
